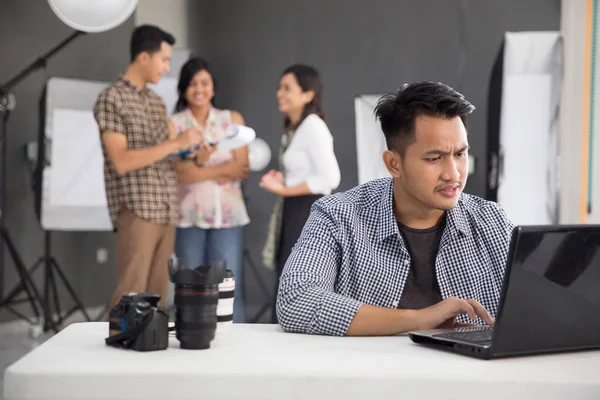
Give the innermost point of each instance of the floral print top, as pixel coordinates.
(210, 204)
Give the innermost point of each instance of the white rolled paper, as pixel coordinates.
(237, 136)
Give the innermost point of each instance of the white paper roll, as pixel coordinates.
(237, 136)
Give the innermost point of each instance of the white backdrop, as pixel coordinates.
(73, 194)
(579, 114)
(370, 141)
(528, 141)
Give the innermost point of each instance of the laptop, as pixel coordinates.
(550, 299)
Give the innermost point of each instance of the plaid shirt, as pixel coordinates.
(139, 114)
(351, 253)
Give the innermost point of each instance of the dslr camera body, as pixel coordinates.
(137, 323)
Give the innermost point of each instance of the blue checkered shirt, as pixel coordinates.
(351, 253)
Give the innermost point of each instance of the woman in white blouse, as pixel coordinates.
(309, 168)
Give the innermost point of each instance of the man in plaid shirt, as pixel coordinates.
(140, 179)
(410, 252)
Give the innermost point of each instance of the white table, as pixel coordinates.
(262, 362)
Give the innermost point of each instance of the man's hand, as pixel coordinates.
(444, 313)
(189, 138)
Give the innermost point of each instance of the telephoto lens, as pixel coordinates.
(225, 306)
(196, 300)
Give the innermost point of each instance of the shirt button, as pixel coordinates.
(395, 303)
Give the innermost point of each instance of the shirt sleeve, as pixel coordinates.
(498, 230)
(325, 177)
(496, 219)
(107, 114)
(306, 300)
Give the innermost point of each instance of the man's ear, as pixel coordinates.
(393, 163)
(143, 57)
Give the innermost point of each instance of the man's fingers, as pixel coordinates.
(481, 312)
(468, 308)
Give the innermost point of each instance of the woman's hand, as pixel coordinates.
(273, 181)
(203, 153)
(275, 175)
(236, 170)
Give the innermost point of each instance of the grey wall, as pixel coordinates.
(360, 47)
(28, 28)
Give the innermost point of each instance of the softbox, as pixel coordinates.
(523, 104)
(70, 193)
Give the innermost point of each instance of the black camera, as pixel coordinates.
(137, 323)
(196, 300)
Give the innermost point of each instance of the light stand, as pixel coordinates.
(7, 105)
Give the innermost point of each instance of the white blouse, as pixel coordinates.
(310, 158)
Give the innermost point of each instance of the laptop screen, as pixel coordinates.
(551, 292)
(568, 257)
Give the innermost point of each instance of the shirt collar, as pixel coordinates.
(456, 221)
(456, 218)
(125, 81)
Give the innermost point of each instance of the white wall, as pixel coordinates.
(170, 15)
(574, 117)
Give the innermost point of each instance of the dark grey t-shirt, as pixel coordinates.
(421, 289)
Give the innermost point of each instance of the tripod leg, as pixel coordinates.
(21, 286)
(54, 292)
(71, 291)
(29, 286)
(49, 322)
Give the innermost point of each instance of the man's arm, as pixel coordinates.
(113, 134)
(125, 160)
(307, 302)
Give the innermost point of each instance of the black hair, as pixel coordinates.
(397, 112)
(188, 70)
(148, 38)
(308, 79)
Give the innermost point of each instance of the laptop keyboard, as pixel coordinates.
(477, 334)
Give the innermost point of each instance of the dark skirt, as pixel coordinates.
(294, 215)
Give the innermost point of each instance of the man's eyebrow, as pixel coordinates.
(436, 152)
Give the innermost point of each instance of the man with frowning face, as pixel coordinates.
(409, 252)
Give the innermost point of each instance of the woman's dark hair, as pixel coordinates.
(188, 70)
(309, 80)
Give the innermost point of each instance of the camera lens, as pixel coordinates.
(196, 300)
(196, 315)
